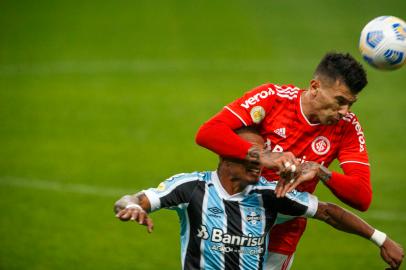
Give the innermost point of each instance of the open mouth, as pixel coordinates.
(254, 170)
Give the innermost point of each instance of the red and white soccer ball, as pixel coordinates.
(383, 42)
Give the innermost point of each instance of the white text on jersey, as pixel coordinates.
(256, 98)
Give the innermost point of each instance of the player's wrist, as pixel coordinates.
(378, 238)
(324, 174)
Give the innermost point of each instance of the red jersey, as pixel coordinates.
(277, 111)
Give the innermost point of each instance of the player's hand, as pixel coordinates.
(138, 215)
(306, 172)
(282, 162)
(392, 253)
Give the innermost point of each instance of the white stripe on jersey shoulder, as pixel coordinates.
(286, 92)
(169, 185)
(354, 161)
(239, 117)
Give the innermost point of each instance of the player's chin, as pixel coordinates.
(253, 175)
(331, 121)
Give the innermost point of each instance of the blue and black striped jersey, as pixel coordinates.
(222, 231)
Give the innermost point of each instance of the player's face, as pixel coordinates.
(244, 171)
(332, 100)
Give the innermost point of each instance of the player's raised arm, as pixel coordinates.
(217, 134)
(341, 219)
(134, 208)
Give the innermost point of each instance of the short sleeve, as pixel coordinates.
(297, 203)
(174, 192)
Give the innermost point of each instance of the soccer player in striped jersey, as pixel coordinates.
(225, 215)
(316, 126)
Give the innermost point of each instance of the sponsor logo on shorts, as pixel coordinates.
(321, 145)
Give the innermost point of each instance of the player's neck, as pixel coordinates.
(308, 108)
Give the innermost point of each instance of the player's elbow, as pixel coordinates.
(327, 212)
(364, 202)
(200, 138)
(205, 134)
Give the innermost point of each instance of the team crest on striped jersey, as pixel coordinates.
(321, 145)
(254, 218)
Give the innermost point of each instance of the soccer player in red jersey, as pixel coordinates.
(314, 126)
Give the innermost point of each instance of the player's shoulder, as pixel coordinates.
(350, 120)
(287, 92)
(265, 184)
(188, 177)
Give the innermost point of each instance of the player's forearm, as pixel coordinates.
(353, 187)
(346, 221)
(343, 220)
(218, 136)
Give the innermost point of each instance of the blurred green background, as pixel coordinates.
(103, 98)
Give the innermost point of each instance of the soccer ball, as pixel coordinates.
(383, 42)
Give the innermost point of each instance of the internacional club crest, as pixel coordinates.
(321, 145)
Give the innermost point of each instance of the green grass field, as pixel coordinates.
(103, 98)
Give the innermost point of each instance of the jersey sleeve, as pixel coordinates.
(353, 187)
(175, 192)
(254, 105)
(294, 204)
(297, 203)
(217, 134)
(353, 146)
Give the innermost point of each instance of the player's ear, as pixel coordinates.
(314, 87)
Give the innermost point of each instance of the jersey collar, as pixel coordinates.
(301, 115)
(224, 194)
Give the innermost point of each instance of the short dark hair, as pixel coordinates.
(345, 68)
